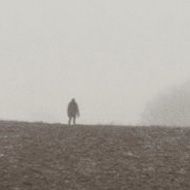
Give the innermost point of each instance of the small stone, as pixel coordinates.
(129, 153)
(182, 171)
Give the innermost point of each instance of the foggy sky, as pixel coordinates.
(170, 108)
(111, 56)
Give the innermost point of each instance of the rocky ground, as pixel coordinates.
(39, 156)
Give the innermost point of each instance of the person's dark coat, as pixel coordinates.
(73, 109)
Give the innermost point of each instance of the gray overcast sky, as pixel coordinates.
(113, 56)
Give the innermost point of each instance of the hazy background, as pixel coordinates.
(115, 57)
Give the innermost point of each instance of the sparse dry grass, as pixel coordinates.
(38, 156)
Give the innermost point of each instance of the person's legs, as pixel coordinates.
(69, 121)
(74, 120)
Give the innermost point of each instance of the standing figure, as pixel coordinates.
(72, 111)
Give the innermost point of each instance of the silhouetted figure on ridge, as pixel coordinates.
(72, 111)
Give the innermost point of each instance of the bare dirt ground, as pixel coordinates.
(38, 156)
